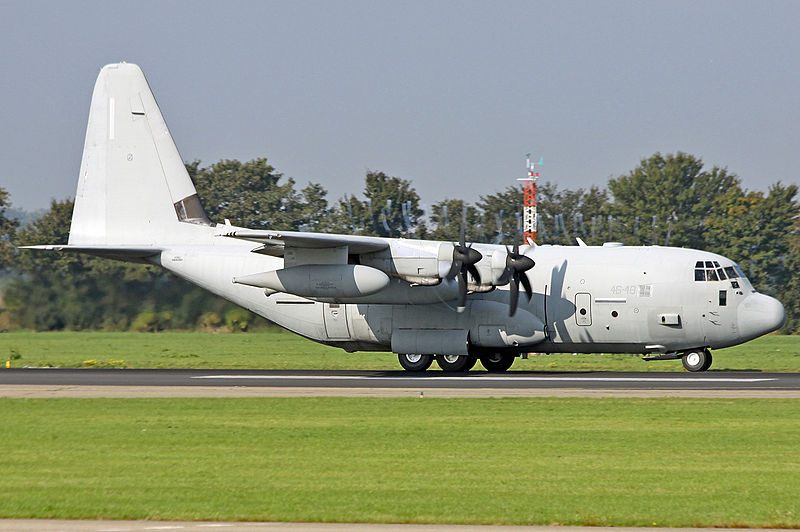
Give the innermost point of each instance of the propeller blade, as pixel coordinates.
(526, 284)
(505, 277)
(513, 298)
(462, 290)
(475, 274)
(455, 267)
(462, 240)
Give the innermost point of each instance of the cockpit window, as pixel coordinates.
(712, 271)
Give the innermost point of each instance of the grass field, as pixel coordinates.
(277, 349)
(676, 462)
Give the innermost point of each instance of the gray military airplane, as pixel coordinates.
(424, 300)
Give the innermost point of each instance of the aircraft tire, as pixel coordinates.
(696, 360)
(497, 362)
(455, 363)
(414, 362)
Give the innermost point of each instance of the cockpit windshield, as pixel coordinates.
(710, 270)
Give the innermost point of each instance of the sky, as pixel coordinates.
(449, 95)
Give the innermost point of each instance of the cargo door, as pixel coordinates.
(335, 316)
(583, 309)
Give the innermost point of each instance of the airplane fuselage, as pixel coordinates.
(599, 299)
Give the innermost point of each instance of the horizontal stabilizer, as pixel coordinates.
(129, 254)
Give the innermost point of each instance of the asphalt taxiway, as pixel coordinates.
(46, 382)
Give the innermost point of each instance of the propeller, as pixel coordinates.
(514, 273)
(464, 259)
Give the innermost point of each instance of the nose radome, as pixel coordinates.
(760, 314)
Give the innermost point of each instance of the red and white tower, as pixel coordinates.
(529, 201)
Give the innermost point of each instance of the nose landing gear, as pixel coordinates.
(696, 360)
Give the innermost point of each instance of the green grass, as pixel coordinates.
(665, 462)
(277, 349)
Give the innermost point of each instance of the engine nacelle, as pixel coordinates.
(320, 280)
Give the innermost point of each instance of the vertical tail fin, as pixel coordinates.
(133, 187)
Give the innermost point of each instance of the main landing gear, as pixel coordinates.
(696, 360)
(493, 362)
(497, 362)
(414, 362)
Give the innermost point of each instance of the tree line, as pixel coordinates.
(668, 199)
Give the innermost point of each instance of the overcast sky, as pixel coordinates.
(449, 95)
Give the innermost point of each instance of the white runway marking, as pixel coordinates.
(498, 378)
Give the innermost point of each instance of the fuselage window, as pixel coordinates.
(699, 275)
(731, 272)
(721, 274)
(723, 298)
(712, 275)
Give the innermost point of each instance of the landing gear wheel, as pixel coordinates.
(497, 362)
(697, 360)
(414, 362)
(453, 363)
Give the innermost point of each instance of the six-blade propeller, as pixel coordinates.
(464, 259)
(514, 273)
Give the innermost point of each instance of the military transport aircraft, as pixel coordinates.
(424, 300)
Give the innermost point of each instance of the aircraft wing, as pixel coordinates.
(275, 242)
(126, 253)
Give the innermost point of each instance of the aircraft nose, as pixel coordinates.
(760, 314)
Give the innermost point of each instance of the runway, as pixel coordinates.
(46, 382)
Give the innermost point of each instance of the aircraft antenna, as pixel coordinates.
(529, 215)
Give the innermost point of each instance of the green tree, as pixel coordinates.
(8, 228)
(390, 208)
(757, 230)
(567, 214)
(313, 212)
(446, 217)
(790, 295)
(677, 194)
(251, 194)
(500, 215)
